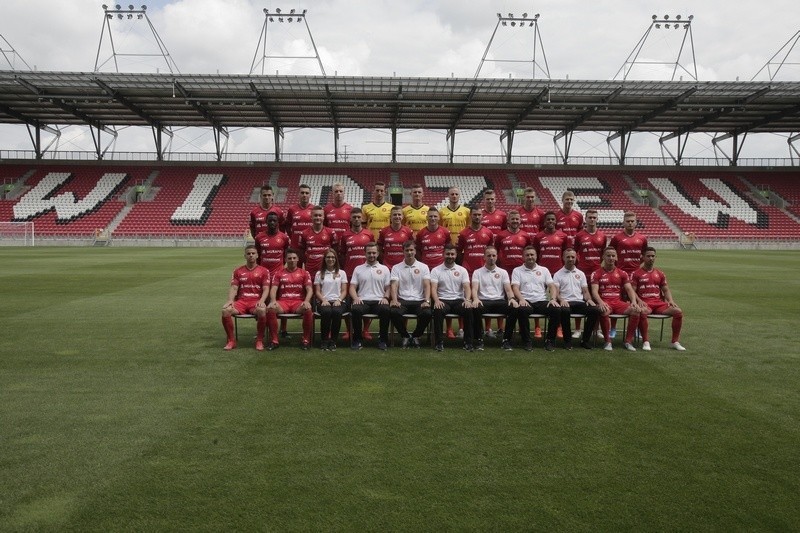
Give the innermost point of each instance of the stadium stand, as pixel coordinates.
(194, 202)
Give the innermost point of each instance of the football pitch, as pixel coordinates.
(120, 410)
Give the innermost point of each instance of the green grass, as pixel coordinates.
(120, 410)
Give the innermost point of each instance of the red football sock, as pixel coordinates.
(644, 327)
(308, 323)
(677, 322)
(633, 323)
(605, 325)
(272, 323)
(261, 327)
(227, 323)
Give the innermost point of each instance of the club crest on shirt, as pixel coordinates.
(416, 271)
(497, 276)
(456, 274)
(379, 272)
(538, 273)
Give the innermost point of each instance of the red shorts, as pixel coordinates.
(618, 307)
(290, 306)
(247, 306)
(657, 307)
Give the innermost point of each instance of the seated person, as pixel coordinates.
(654, 296)
(491, 293)
(609, 285)
(291, 293)
(452, 294)
(574, 297)
(247, 295)
(330, 289)
(410, 292)
(369, 294)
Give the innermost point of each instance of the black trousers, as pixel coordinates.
(489, 306)
(330, 320)
(357, 313)
(452, 307)
(412, 308)
(592, 315)
(523, 314)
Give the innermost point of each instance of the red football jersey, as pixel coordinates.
(494, 221)
(314, 245)
(338, 218)
(351, 249)
(629, 250)
(648, 285)
(291, 285)
(610, 284)
(430, 245)
(531, 221)
(570, 223)
(273, 250)
(298, 219)
(471, 245)
(510, 246)
(391, 241)
(258, 219)
(251, 283)
(589, 247)
(550, 249)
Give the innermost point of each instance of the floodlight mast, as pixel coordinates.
(10, 54)
(279, 17)
(131, 13)
(666, 24)
(522, 22)
(786, 50)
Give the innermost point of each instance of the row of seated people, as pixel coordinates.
(716, 206)
(411, 287)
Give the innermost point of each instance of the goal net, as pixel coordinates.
(16, 233)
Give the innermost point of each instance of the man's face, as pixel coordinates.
(266, 198)
(317, 217)
(378, 194)
(490, 257)
(569, 259)
(450, 257)
(433, 220)
(291, 261)
(396, 219)
(251, 256)
(550, 222)
(355, 220)
(591, 220)
(489, 201)
(416, 197)
(409, 254)
(338, 195)
(630, 224)
(513, 222)
(568, 202)
(530, 198)
(272, 223)
(530, 257)
(649, 259)
(305, 196)
(610, 258)
(371, 252)
(475, 217)
(454, 195)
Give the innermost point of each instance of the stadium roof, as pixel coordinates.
(223, 101)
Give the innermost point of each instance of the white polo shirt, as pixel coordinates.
(331, 286)
(409, 280)
(491, 283)
(570, 283)
(371, 281)
(449, 281)
(532, 282)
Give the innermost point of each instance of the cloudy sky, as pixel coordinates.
(581, 40)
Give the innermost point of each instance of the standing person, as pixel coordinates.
(291, 292)
(337, 212)
(472, 241)
(630, 245)
(376, 213)
(298, 219)
(351, 253)
(410, 292)
(535, 292)
(511, 241)
(392, 237)
(654, 296)
(330, 290)
(609, 284)
(574, 297)
(569, 220)
(550, 244)
(491, 293)
(315, 241)
(248, 292)
(272, 245)
(431, 240)
(492, 218)
(589, 245)
(369, 293)
(258, 216)
(531, 217)
(451, 292)
(415, 214)
(454, 216)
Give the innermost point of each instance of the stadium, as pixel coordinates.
(122, 411)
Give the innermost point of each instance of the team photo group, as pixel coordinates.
(457, 267)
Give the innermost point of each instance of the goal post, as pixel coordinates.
(17, 234)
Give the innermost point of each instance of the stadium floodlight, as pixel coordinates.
(655, 17)
(513, 23)
(105, 7)
(278, 15)
(291, 11)
(687, 43)
(266, 11)
(130, 7)
(278, 11)
(691, 17)
(499, 16)
(666, 17)
(304, 11)
(524, 15)
(536, 16)
(677, 17)
(119, 7)
(524, 20)
(144, 7)
(511, 15)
